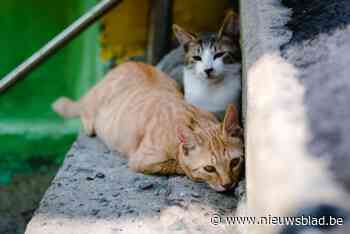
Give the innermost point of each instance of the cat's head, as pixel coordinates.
(209, 55)
(213, 155)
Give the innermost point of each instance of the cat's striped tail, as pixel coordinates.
(66, 107)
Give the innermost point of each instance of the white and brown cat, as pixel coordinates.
(139, 111)
(208, 66)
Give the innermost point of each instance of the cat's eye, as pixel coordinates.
(197, 58)
(187, 149)
(219, 55)
(234, 162)
(209, 169)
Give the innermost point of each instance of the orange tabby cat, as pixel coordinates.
(140, 112)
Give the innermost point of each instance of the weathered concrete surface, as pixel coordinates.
(320, 50)
(310, 18)
(95, 192)
(296, 91)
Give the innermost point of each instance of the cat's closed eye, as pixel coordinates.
(197, 58)
(234, 162)
(219, 55)
(187, 149)
(209, 169)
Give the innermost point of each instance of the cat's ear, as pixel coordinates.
(230, 125)
(186, 137)
(230, 26)
(182, 35)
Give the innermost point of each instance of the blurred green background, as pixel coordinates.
(33, 139)
(29, 131)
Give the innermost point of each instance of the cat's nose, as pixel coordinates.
(227, 186)
(208, 71)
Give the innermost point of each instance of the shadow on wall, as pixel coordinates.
(313, 17)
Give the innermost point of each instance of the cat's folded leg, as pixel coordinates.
(153, 163)
(88, 123)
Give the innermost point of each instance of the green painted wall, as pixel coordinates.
(29, 130)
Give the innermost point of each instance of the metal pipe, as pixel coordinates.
(159, 33)
(57, 43)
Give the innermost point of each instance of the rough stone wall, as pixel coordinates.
(320, 49)
(296, 89)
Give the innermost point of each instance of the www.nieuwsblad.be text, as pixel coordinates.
(217, 219)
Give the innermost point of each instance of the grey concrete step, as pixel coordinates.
(95, 193)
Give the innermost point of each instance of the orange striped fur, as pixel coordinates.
(140, 112)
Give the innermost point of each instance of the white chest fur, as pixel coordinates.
(211, 95)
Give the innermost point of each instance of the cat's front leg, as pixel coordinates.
(154, 163)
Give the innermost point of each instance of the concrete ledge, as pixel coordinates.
(95, 192)
(288, 89)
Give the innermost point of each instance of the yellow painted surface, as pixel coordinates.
(200, 15)
(125, 28)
